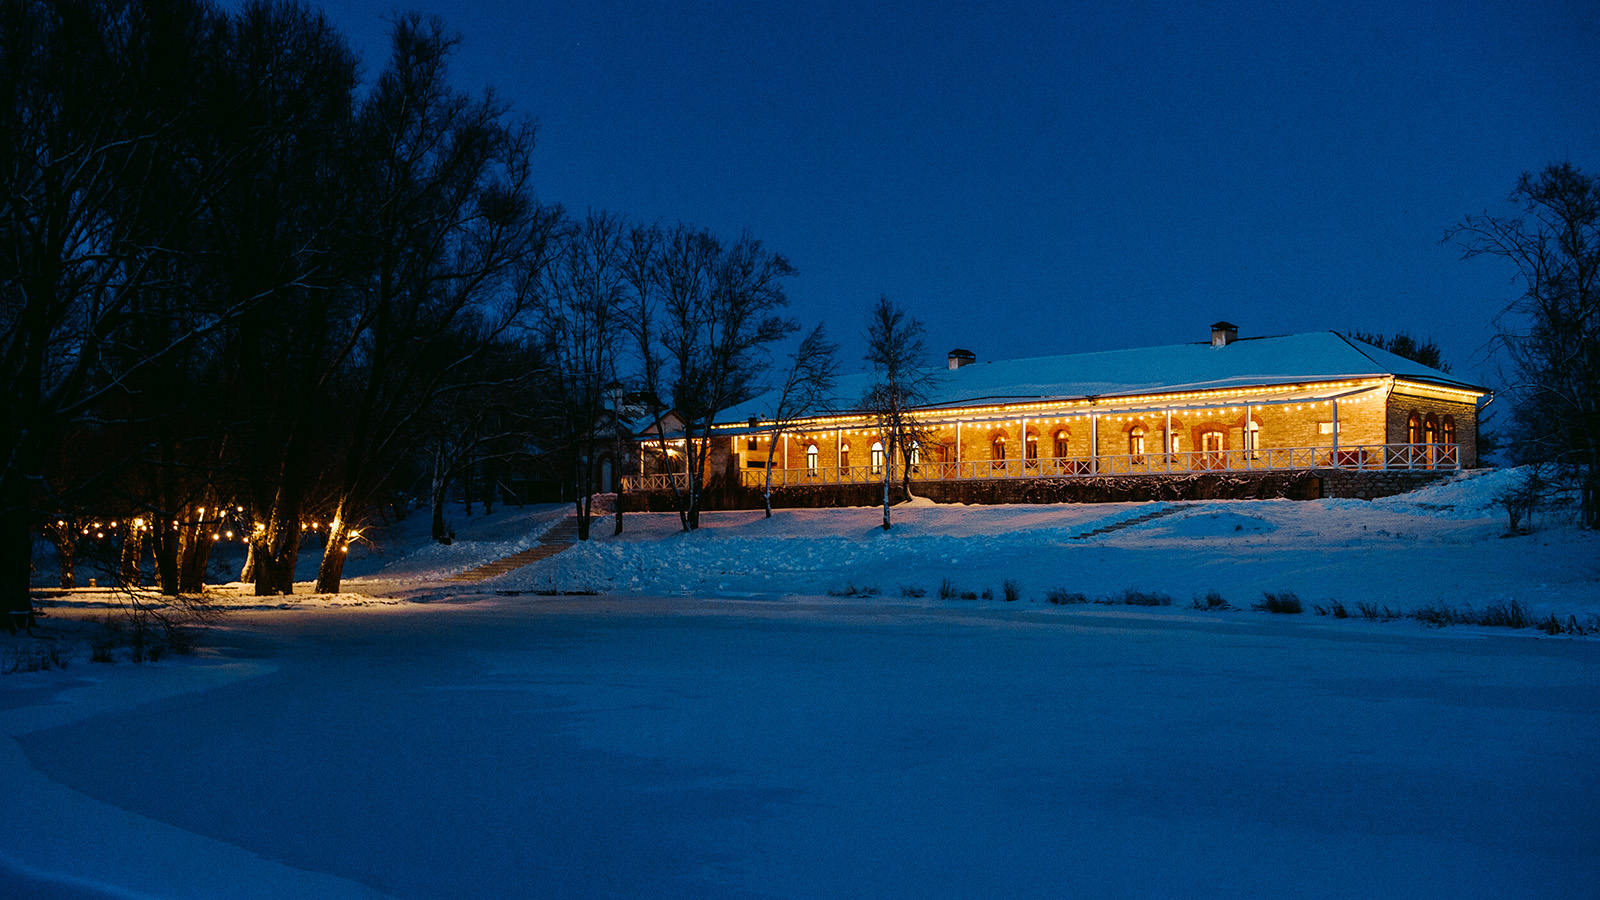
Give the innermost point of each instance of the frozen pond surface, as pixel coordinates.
(636, 747)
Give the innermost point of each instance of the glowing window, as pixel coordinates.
(1061, 443)
(1448, 427)
(997, 449)
(1136, 440)
(877, 457)
(844, 456)
(1211, 442)
(1252, 435)
(1430, 430)
(1413, 428)
(811, 459)
(916, 453)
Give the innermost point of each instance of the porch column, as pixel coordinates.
(1250, 438)
(958, 448)
(1168, 440)
(1022, 447)
(786, 457)
(1094, 444)
(1335, 404)
(838, 449)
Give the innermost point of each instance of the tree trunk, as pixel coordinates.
(276, 548)
(1589, 498)
(16, 536)
(165, 544)
(490, 482)
(581, 493)
(888, 477)
(132, 555)
(66, 554)
(194, 551)
(331, 571)
(248, 573)
(436, 498)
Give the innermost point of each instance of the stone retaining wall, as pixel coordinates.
(1309, 485)
(1370, 485)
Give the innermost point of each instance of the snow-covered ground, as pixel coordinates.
(713, 724)
(1439, 545)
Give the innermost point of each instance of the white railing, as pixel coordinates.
(663, 481)
(1371, 457)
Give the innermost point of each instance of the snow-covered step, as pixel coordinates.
(1136, 520)
(557, 538)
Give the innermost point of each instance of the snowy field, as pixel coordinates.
(712, 724)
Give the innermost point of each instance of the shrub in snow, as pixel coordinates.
(1520, 498)
(1510, 614)
(1131, 597)
(1212, 601)
(1011, 591)
(1372, 612)
(1439, 615)
(969, 595)
(39, 657)
(1280, 602)
(1334, 608)
(1063, 597)
(911, 590)
(850, 590)
(947, 590)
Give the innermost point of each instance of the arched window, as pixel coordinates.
(1136, 440)
(1448, 430)
(844, 456)
(916, 453)
(811, 459)
(1414, 429)
(1211, 441)
(1430, 430)
(1061, 444)
(997, 448)
(1252, 436)
(877, 457)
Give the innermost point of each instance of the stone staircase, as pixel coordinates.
(557, 538)
(1136, 520)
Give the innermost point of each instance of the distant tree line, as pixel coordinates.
(239, 286)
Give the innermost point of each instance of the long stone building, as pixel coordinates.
(1317, 402)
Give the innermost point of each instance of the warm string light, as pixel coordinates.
(1126, 400)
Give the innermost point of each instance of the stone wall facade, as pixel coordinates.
(1464, 416)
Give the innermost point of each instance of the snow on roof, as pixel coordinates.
(1247, 362)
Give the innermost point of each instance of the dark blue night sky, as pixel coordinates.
(1032, 179)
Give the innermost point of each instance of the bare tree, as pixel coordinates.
(445, 191)
(103, 168)
(901, 383)
(807, 388)
(719, 315)
(1551, 332)
(579, 311)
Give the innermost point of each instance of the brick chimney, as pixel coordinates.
(959, 358)
(1223, 334)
